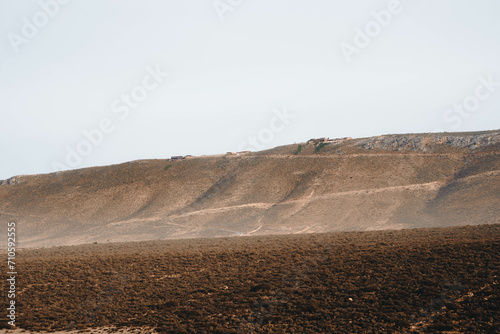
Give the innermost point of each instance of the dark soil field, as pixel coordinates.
(407, 281)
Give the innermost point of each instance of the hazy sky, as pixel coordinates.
(96, 82)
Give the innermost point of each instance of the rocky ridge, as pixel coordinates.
(427, 143)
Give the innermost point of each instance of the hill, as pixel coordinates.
(378, 183)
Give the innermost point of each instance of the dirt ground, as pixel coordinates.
(406, 281)
(102, 330)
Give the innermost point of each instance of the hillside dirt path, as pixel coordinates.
(430, 186)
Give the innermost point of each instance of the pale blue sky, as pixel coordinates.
(226, 78)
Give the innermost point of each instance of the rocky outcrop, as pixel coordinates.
(11, 181)
(426, 143)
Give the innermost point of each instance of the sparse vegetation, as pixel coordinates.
(299, 148)
(319, 147)
(168, 166)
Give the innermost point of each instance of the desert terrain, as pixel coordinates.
(386, 182)
(389, 234)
